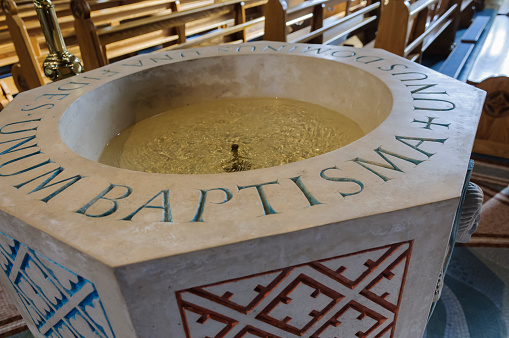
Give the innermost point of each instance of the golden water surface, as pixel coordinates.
(198, 139)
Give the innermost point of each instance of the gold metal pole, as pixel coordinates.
(59, 64)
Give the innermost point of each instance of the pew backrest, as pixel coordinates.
(318, 21)
(408, 29)
(27, 37)
(99, 44)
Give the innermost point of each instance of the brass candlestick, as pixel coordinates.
(59, 64)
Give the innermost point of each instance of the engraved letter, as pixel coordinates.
(240, 48)
(102, 195)
(444, 108)
(274, 49)
(52, 96)
(317, 50)
(424, 87)
(391, 67)
(198, 217)
(17, 131)
(109, 72)
(347, 54)
(267, 209)
(20, 159)
(162, 59)
(73, 86)
(368, 61)
(182, 54)
(392, 166)
(54, 173)
(139, 64)
(342, 179)
(49, 105)
(430, 122)
(22, 142)
(311, 199)
(424, 76)
(421, 141)
(165, 207)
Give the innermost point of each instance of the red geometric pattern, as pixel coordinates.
(353, 295)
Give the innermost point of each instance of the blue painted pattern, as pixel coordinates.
(61, 304)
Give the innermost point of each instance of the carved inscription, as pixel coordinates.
(37, 175)
(354, 295)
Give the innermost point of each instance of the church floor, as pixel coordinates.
(475, 298)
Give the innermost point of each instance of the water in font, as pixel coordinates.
(230, 135)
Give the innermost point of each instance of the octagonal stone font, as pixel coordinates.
(350, 241)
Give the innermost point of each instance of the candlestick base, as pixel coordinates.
(61, 65)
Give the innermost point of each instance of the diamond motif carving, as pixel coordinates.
(353, 295)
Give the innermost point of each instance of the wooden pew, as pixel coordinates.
(246, 25)
(467, 10)
(28, 39)
(409, 29)
(26, 10)
(454, 63)
(105, 12)
(26, 73)
(99, 45)
(28, 17)
(8, 54)
(319, 21)
(6, 92)
(62, 9)
(491, 73)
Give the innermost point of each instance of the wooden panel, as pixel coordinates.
(305, 22)
(204, 39)
(493, 131)
(409, 28)
(148, 25)
(275, 21)
(138, 43)
(393, 26)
